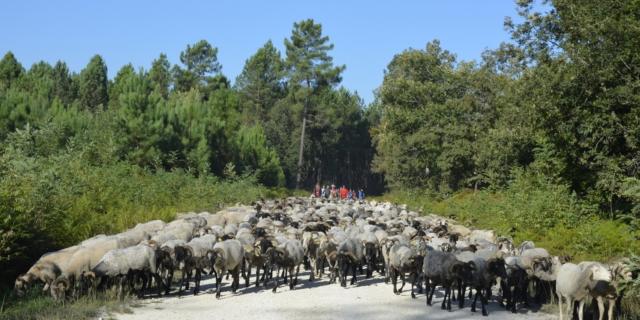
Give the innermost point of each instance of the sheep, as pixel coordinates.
(310, 243)
(443, 268)
(604, 290)
(196, 255)
(118, 263)
(77, 268)
(574, 283)
(45, 270)
(514, 285)
(259, 259)
(248, 241)
(167, 262)
(349, 256)
(483, 277)
(289, 256)
(228, 255)
(151, 226)
(403, 259)
(328, 252)
(371, 251)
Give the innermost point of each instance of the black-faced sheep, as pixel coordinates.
(442, 268)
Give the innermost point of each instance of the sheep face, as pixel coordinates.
(600, 273)
(497, 268)
(182, 255)
(22, 283)
(463, 270)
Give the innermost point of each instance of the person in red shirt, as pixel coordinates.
(316, 191)
(343, 192)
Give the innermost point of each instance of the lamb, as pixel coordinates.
(575, 282)
(443, 268)
(349, 256)
(403, 259)
(289, 256)
(228, 255)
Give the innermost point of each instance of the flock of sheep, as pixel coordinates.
(340, 238)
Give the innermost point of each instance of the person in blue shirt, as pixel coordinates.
(360, 194)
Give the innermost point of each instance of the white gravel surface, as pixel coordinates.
(368, 299)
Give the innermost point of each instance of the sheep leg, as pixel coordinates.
(160, 282)
(413, 281)
(314, 267)
(461, 289)
(403, 281)
(447, 293)
(601, 308)
(475, 298)
(257, 276)
(248, 275)
(580, 309)
(354, 277)
(291, 283)
(295, 281)
(612, 305)
(218, 285)
(196, 287)
(236, 279)
(560, 306)
(275, 286)
(394, 281)
(169, 280)
(484, 301)
(184, 275)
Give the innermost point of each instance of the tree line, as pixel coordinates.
(285, 120)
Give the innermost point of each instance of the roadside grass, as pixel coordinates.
(37, 305)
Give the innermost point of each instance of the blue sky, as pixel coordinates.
(366, 34)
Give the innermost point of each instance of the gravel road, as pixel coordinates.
(369, 299)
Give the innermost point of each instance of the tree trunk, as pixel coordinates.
(304, 126)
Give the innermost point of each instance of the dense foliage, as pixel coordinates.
(560, 100)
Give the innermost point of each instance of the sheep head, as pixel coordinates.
(496, 267)
(59, 287)
(22, 283)
(463, 270)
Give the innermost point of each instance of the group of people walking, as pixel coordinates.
(332, 192)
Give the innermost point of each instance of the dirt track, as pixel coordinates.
(368, 299)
